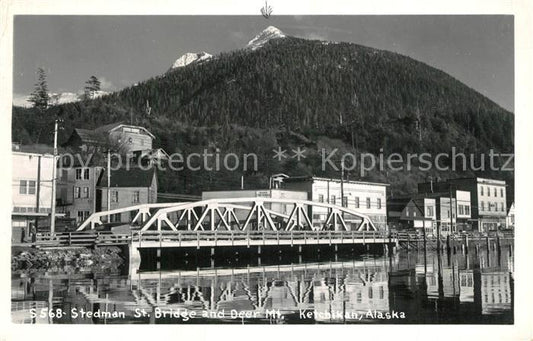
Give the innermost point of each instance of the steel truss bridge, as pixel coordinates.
(239, 214)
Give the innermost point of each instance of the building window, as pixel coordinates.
(321, 198)
(489, 204)
(482, 207)
(429, 211)
(78, 174)
(501, 192)
(136, 196)
(367, 202)
(85, 192)
(467, 210)
(481, 190)
(495, 192)
(86, 174)
(82, 216)
(356, 202)
(414, 213)
(79, 218)
(77, 192)
(23, 187)
(114, 196)
(31, 187)
(488, 191)
(115, 218)
(502, 207)
(344, 201)
(333, 200)
(461, 209)
(379, 203)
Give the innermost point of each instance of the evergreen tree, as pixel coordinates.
(40, 97)
(91, 87)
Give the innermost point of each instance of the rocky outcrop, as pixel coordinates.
(62, 257)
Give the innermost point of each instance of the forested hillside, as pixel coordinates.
(289, 93)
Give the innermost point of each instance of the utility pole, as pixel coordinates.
(38, 199)
(451, 209)
(342, 187)
(109, 180)
(54, 165)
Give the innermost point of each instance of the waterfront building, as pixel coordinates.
(368, 198)
(259, 193)
(487, 196)
(415, 212)
(76, 190)
(510, 216)
(128, 188)
(31, 199)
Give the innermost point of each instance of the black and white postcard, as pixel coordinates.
(258, 163)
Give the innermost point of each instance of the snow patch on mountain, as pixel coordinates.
(63, 97)
(190, 58)
(57, 98)
(265, 36)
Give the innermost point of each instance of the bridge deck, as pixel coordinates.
(164, 239)
(167, 239)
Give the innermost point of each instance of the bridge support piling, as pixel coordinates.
(134, 259)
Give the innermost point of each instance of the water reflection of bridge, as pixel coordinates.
(345, 287)
(459, 285)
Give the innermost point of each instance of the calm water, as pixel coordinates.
(409, 287)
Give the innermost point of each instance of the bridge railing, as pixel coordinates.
(223, 237)
(250, 236)
(472, 235)
(81, 239)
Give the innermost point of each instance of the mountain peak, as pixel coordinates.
(189, 58)
(262, 38)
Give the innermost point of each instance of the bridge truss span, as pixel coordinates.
(245, 214)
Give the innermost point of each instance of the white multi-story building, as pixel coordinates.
(486, 205)
(259, 193)
(368, 198)
(31, 190)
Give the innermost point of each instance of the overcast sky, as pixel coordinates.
(122, 50)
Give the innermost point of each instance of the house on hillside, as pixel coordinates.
(121, 138)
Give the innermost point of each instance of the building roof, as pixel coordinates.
(32, 149)
(316, 178)
(99, 135)
(397, 204)
(134, 177)
(91, 136)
